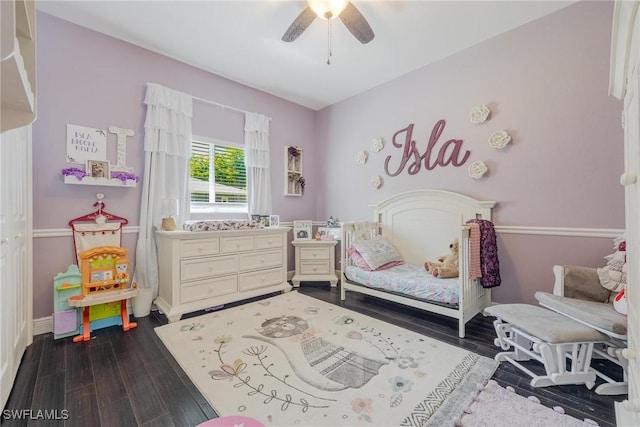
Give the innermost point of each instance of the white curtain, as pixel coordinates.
(257, 161)
(167, 148)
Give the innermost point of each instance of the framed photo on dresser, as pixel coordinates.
(302, 230)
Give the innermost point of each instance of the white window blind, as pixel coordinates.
(218, 181)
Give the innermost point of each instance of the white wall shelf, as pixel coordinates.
(18, 66)
(89, 180)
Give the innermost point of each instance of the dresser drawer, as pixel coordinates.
(199, 247)
(310, 267)
(315, 253)
(261, 279)
(204, 289)
(199, 268)
(237, 244)
(264, 259)
(268, 242)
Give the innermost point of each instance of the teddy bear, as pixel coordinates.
(613, 276)
(447, 265)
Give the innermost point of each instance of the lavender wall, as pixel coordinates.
(89, 79)
(546, 84)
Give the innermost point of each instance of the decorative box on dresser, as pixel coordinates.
(315, 261)
(202, 269)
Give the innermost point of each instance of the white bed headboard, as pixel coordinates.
(422, 223)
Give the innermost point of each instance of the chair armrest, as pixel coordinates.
(580, 283)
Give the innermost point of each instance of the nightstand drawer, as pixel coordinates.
(199, 247)
(201, 290)
(199, 268)
(237, 244)
(315, 253)
(263, 259)
(320, 267)
(261, 279)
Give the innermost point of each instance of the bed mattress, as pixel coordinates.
(409, 280)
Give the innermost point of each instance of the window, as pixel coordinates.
(218, 178)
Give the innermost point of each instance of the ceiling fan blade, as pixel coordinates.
(299, 24)
(355, 22)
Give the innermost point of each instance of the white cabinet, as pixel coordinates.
(202, 269)
(16, 297)
(625, 85)
(18, 66)
(315, 261)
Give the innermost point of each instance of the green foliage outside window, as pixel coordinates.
(228, 169)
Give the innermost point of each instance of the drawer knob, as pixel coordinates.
(628, 178)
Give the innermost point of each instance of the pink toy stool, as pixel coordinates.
(232, 421)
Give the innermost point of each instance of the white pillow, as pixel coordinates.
(377, 251)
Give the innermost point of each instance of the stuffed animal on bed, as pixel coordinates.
(447, 265)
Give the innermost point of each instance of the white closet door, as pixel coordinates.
(631, 408)
(15, 253)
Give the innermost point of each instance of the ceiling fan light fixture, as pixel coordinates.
(327, 9)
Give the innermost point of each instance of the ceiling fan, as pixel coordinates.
(328, 10)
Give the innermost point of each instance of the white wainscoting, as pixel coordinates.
(45, 324)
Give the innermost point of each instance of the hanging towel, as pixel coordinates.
(489, 264)
(475, 271)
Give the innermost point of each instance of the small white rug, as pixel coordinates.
(499, 407)
(295, 360)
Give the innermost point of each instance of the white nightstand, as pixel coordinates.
(315, 261)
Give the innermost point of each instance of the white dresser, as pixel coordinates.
(315, 261)
(202, 269)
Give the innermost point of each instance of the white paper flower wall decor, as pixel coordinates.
(361, 157)
(499, 139)
(377, 145)
(477, 169)
(375, 181)
(479, 114)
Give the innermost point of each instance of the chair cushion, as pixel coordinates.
(599, 315)
(545, 324)
(583, 283)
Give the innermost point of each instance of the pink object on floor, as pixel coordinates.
(232, 421)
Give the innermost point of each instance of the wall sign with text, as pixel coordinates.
(85, 143)
(449, 153)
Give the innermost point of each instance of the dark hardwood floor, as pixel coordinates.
(131, 379)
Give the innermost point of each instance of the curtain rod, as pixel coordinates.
(217, 104)
(223, 106)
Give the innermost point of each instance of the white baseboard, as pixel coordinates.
(44, 325)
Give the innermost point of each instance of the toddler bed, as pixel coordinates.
(419, 225)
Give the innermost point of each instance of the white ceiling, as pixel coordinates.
(240, 40)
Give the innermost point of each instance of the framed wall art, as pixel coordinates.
(302, 230)
(98, 169)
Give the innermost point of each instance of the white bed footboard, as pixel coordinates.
(421, 225)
